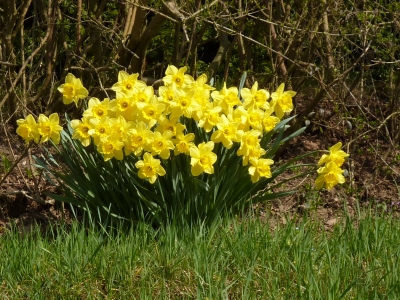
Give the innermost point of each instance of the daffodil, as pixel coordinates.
(96, 108)
(27, 129)
(183, 143)
(149, 168)
(162, 144)
(81, 130)
(282, 101)
(255, 117)
(100, 129)
(202, 98)
(151, 112)
(49, 128)
(241, 116)
(249, 141)
(269, 122)
(227, 132)
(227, 98)
(178, 77)
(184, 105)
(335, 155)
(255, 97)
(330, 175)
(139, 138)
(124, 106)
(166, 96)
(169, 124)
(209, 117)
(144, 95)
(200, 84)
(260, 168)
(202, 158)
(253, 153)
(120, 127)
(128, 84)
(72, 90)
(111, 147)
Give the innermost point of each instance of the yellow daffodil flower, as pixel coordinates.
(128, 84)
(178, 77)
(96, 108)
(49, 128)
(151, 112)
(260, 168)
(81, 130)
(200, 84)
(255, 97)
(166, 96)
(111, 147)
(227, 132)
(150, 168)
(335, 155)
(139, 138)
(184, 105)
(282, 101)
(330, 175)
(120, 127)
(27, 129)
(144, 95)
(209, 117)
(124, 106)
(255, 117)
(269, 122)
(203, 99)
(72, 90)
(183, 143)
(162, 144)
(100, 129)
(249, 140)
(226, 98)
(202, 158)
(254, 153)
(171, 125)
(241, 116)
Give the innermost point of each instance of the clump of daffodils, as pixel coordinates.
(154, 126)
(45, 129)
(330, 172)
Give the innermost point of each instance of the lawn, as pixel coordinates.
(243, 259)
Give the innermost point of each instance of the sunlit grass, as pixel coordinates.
(239, 260)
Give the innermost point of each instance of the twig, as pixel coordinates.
(43, 41)
(375, 128)
(200, 10)
(8, 64)
(16, 163)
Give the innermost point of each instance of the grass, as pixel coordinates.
(239, 260)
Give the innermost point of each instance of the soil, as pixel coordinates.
(373, 174)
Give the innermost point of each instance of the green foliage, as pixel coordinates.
(6, 163)
(112, 189)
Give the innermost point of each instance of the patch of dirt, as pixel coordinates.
(20, 189)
